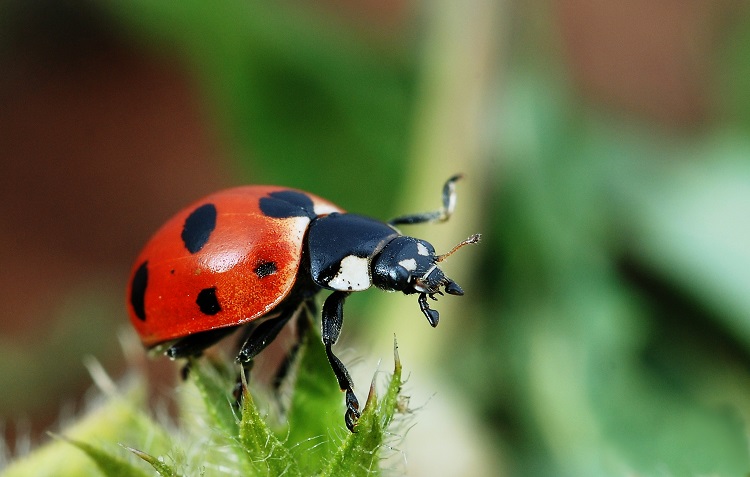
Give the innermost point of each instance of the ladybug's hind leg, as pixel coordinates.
(192, 346)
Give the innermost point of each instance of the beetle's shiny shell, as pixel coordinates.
(222, 261)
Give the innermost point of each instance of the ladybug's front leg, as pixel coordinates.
(449, 204)
(333, 319)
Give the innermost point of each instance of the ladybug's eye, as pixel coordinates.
(399, 277)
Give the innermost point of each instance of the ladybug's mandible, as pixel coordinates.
(256, 256)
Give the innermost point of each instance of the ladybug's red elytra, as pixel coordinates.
(256, 256)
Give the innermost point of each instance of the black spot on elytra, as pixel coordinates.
(287, 203)
(265, 268)
(138, 291)
(198, 227)
(207, 301)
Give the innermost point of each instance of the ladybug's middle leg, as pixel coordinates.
(263, 334)
(256, 338)
(333, 319)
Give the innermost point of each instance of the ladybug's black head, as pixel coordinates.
(410, 265)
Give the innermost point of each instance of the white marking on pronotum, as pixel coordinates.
(353, 275)
(324, 209)
(410, 264)
(422, 250)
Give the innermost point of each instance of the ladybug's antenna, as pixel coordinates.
(473, 239)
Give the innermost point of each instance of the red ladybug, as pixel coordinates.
(256, 256)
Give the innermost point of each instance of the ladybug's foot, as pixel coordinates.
(237, 390)
(352, 410)
(185, 370)
(345, 383)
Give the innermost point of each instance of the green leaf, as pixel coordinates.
(210, 439)
(389, 404)
(360, 452)
(159, 465)
(263, 449)
(118, 419)
(215, 394)
(316, 413)
(110, 464)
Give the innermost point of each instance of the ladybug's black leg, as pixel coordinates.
(449, 203)
(193, 345)
(333, 319)
(432, 315)
(262, 335)
(256, 339)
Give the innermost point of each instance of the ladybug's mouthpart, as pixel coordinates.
(430, 284)
(410, 265)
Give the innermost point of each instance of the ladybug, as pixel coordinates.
(256, 256)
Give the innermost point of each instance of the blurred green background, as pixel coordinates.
(605, 328)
